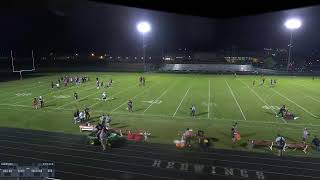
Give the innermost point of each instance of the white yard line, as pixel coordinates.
(259, 97)
(314, 99)
(127, 101)
(10, 98)
(76, 101)
(54, 91)
(81, 90)
(181, 102)
(209, 100)
(305, 110)
(158, 98)
(235, 99)
(126, 89)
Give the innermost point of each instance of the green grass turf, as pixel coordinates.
(220, 101)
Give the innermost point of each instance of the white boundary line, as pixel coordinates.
(25, 135)
(209, 99)
(163, 116)
(244, 117)
(305, 110)
(259, 97)
(181, 102)
(158, 97)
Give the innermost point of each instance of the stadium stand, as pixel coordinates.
(206, 68)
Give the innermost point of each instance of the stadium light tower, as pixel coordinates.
(144, 28)
(291, 24)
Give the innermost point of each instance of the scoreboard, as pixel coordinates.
(35, 170)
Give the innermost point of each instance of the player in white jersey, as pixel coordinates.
(104, 96)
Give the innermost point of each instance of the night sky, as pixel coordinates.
(88, 26)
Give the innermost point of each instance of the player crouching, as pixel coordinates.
(285, 114)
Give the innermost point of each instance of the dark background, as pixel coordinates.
(83, 26)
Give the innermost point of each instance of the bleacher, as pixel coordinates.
(210, 68)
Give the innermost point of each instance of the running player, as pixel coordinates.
(130, 105)
(143, 80)
(254, 82)
(263, 79)
(98, 84)
(193, 111)
(76, 96)
(104, 96)
(110, 83)
(52, 85)
(271, 82)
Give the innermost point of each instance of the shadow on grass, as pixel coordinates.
(248, 135)
(270, 113)
(202, 113)
(137, 110)
(83, 99)
(123, 126)
(213, 139)
(115, 124)
(243, 144)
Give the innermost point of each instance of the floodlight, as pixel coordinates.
(293, 23)
(143, 27)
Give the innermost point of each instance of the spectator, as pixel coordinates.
(280, 141)
(75, 117)
(103, 138)
(316, 143)
(305, 135)
(82, 116)
(187, 135)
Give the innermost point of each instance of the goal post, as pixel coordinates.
(20, 70)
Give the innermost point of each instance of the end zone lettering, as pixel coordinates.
(208, 169)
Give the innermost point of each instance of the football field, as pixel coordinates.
(162, 106)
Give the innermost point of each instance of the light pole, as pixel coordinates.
(143, 28)
(291, 24)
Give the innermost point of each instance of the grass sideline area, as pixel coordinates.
(162, 106)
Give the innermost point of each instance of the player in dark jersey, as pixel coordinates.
(143, 80)
(87, 113)
(140, 80)
(263, 79)
(193, 111)
(130, 105)
(76, 96)
(282, 111)
(52, 85)
(254, 82)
